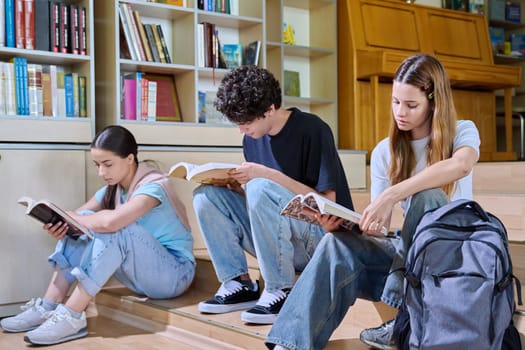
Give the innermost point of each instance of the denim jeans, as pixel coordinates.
(132, 255)
(343, 268)
(232, 224)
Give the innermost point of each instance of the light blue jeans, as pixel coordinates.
(132, 255)
(343, 268)
(232, 224)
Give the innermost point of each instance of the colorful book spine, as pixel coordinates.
(19, 24)
(130, 95)
(10, 88)
(55, 27)
(24, 90)
(151, 42)
(143, 37)
(61, 91)
(133, 49)
(64, 29)
(2, 23)
(47, 92)
(135, 32)
(144, 98)
(10, 23)
(82, 29)
(163, 44)
(158, 43)
(82, 96)
(152, 101)
(74, 33)
(69, 95)
(138, 95)
(76, 102)
(42, 25)
(29, 24)
(34, 89)
(51, 70)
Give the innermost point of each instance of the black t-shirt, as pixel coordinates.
(305, 151)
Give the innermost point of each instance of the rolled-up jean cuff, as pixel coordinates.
(393, 303)
(89, 285)
(57, 259)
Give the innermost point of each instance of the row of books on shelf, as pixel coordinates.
(212, 53)
(503, 44)
(141, 41)
(43, 25)
(149, 97)
(182, 3)
(221, 6)
(41, 90)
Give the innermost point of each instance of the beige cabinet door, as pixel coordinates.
(58, 175)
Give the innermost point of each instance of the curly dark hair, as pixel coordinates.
(246, 93)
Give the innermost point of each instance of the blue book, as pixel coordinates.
(232, 54)
(25, 86)
(9, 23)
(70, 99)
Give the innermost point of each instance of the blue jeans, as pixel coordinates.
(343, 268)
(232, 224)
(132, 255)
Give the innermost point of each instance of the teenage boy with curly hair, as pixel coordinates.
(287, 152)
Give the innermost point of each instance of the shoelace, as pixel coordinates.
(54, 317)
(36, 305)
(268, 299)
(229, 287)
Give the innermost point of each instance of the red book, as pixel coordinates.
(54, 24)
(29, 24)
(82, 29)
(74, 34)
(19, 24)
(144, 96)
(64, 29)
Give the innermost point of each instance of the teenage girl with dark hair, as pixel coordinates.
(141, 237)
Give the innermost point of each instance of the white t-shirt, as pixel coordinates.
(466, 135)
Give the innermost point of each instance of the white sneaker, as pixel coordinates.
(58, 328)
(32, 316)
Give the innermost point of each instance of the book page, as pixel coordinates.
(181, 169)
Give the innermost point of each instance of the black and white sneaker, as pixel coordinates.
(267, 308)
(231, 296)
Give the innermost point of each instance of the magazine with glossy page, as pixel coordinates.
(47, 212)
(319, 204)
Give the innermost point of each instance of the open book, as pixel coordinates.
(208, 173)
(47, 212)
(319, 204)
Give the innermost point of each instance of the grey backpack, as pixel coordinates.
(459, 292)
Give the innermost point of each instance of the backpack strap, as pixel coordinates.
(518, 289)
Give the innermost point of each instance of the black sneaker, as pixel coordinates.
(231, 296)
(267, 308)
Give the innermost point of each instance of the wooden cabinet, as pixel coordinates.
(382, 33)
(56, 174)
(24, 128)
(313, 56)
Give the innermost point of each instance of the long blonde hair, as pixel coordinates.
(426, 73)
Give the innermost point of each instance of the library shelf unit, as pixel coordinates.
(59, 129)
(180, 29)
(41, 157)
(314, 54)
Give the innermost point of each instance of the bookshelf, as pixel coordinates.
(313, 55)
(180, 27)
(41, 156)
(61, 129)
